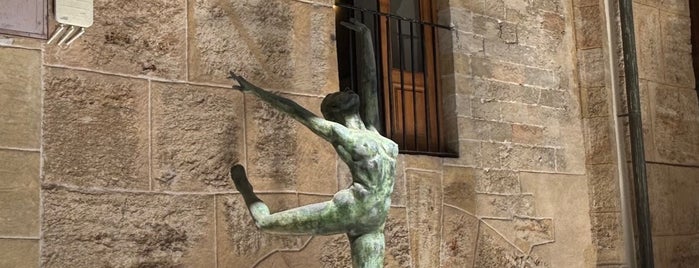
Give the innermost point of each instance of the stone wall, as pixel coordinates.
(20, 131)
(140, 128)
(671, 129)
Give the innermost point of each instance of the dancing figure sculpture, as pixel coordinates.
(359, 211)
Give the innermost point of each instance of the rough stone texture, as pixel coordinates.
(674, 206)
(19, 253)
(130, 37)
(239, 243)
(517, 157)
(494, 251)
(497, 181)
(588, 22)
(606, 236)
(424, 214)
(95, 130)
(563, 199)
(604, 188)
(459, 234)
(595, 102)
(598, 140)
(108, 229)
(284, 45)
(504, 206)
(675, 123)
(647, 26)
(676, 251)
(459, 188)
(677, 49)
(20, 98)
(591, 64)
(197, 135)
(19, 193)
(283, 154)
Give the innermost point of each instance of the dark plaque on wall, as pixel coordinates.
(24, 18)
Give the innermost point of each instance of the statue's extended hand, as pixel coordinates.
(355, 25)
(243, 85)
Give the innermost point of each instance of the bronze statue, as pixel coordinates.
(359, 211)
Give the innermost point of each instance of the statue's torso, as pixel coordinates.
(371, 159)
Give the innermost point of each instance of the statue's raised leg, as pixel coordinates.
(321, 218)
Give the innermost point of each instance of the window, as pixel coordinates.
(405, 46)
(24, 18)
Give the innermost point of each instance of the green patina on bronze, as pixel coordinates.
(359, 211)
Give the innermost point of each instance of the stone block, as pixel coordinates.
(459, 188)
(239, 243)
(96, 229)
(285, 155)
(494, 8)
(459, 233)
(595, 102)
(647, 26)
(591, 64)
(532, 158)
(675, 6)
(265, 41)
(423, 162)
(475, 129)
(676, 251)
(476, 6)
(588, 26)
(607, 236)
(20, 41)
(530, 232)
(677, 49)
(198, 134)
(95, 130)
(508, 92)
(19, 253)
(518, 74)
(526, 134)
(493, 250)
(533, 34)
(492, 181)
(554, 98)
(467, 44)
(604, 188)
(397, 235)
(598, 141)
(19, 193)
(485, 109)
(461, 18)
(504, 206)
(131, 37)
(673, 203)
(20, 98)
(563, 199)
(675, 122)
(469, 154)
(424, 216)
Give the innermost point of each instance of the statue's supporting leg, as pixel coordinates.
(320, 218)
(367, 250)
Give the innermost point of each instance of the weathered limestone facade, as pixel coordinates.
(115, 152)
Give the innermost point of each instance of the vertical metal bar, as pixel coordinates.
(645, 239)
(389, 66)
(426, 91)
(402, 82)
(379, 67)
(438, 97)
(352, 58)
(412, 75)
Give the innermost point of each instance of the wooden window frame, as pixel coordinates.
(412, 112)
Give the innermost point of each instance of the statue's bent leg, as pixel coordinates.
(367, 249)
(319, 218)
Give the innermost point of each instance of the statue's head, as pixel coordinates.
(337, 106)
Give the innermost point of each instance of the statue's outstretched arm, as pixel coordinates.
(368, 86)
(318, 125)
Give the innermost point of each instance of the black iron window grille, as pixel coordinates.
(405, 46)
